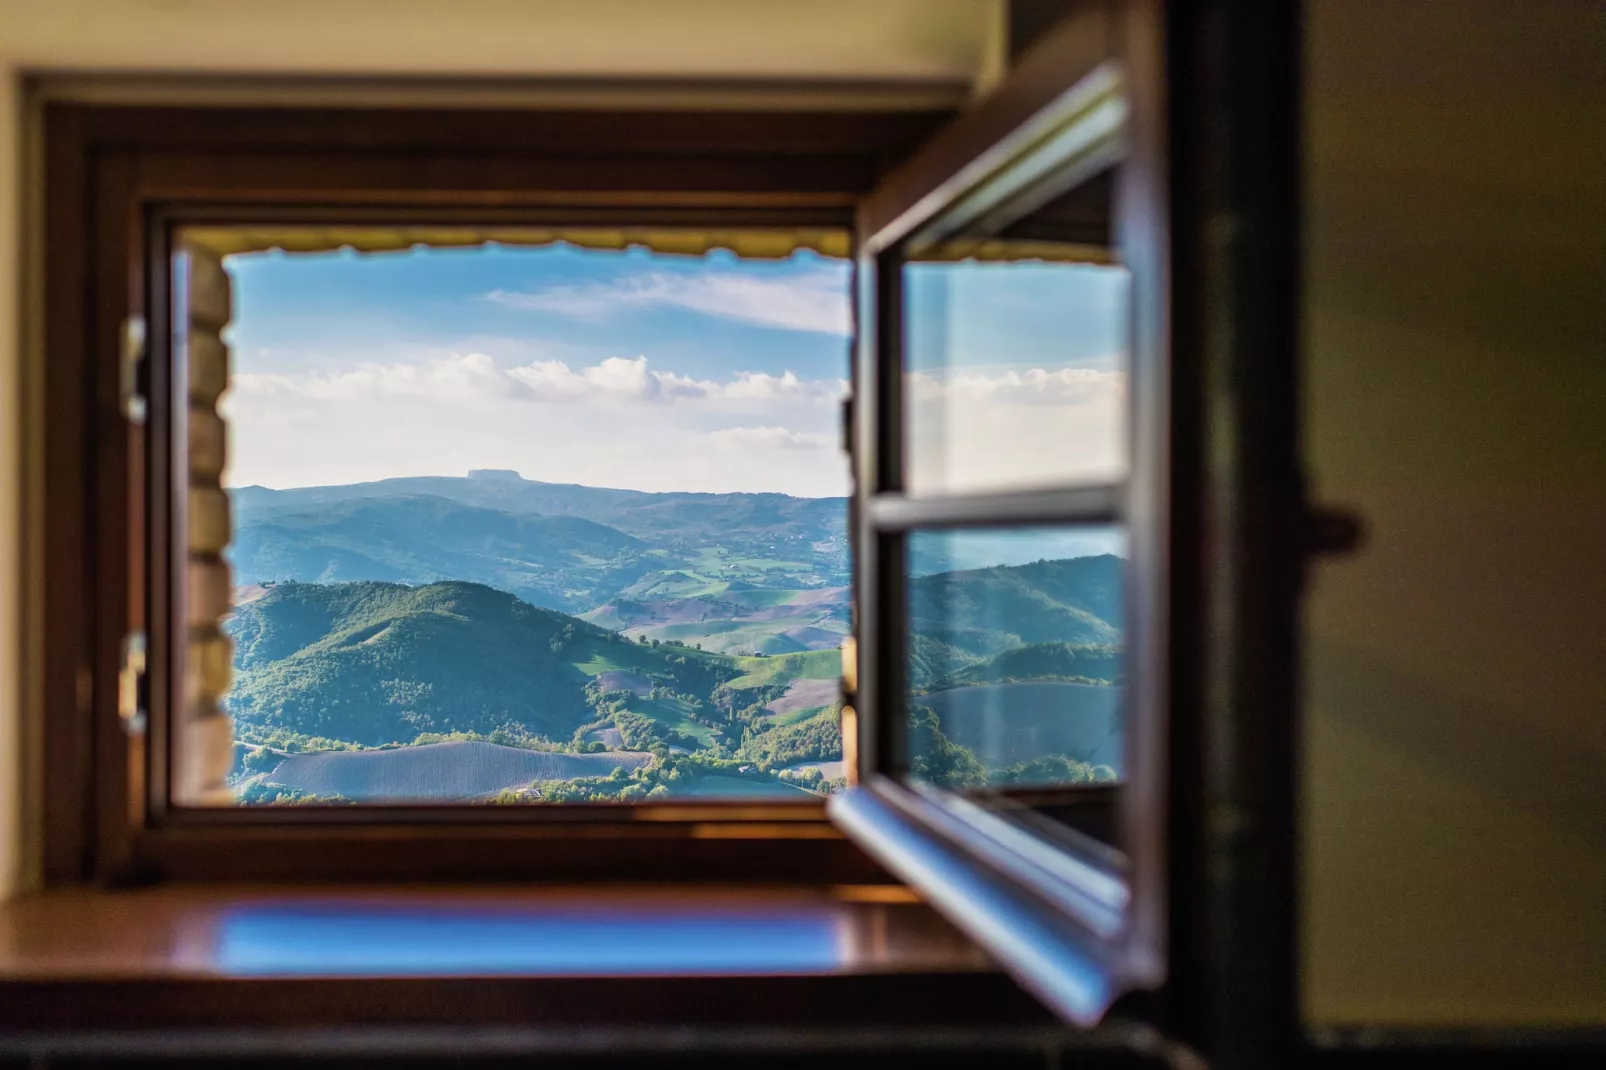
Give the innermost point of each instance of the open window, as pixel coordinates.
(256, 688)
(1070, 686)
(1012, 458)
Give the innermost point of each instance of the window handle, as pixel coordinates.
(1333, 531)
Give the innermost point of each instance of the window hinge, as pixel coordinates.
(133, 369)
(131, 685)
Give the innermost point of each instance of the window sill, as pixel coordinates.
(319, 958)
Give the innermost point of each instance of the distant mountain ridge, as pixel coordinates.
(563, 546)
(645, 514)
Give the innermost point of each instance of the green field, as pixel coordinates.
(679, 583)
(796, 716)
(738, 637)
(809, 665)
(674, 715)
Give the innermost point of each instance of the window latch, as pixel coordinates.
(131, 685)
(133, 369)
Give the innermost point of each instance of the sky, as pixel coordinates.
(634, 369)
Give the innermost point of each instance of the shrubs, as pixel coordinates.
(817, 739)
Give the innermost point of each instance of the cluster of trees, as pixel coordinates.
(816, 739)
(265, 793)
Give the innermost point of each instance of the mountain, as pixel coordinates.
(373, 663)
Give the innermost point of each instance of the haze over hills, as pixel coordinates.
(720, 569)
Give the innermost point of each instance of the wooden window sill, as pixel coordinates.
(342, 956)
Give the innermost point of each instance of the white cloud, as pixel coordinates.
(977, 429)
(456, 378)
(762, 386)
(1034, 386)
(817, 301)
(466, 377)
(770, 438)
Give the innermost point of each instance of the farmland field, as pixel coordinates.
(439, 772)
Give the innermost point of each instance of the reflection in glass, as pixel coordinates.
(1016, 669)
(1014, 362)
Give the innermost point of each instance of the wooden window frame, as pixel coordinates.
(118, 180)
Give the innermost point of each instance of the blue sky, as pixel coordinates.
(632, 369)
(300, 312)
(609, 368)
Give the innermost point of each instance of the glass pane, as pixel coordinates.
(1015, 356)
(536, 525)
(1016, 659)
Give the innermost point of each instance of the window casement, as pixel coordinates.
(1056, 199)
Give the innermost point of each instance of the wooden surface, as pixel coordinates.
(193, 956)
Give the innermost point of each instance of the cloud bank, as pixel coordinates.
(464, 377)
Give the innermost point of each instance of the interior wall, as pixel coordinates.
(1455, 806)
(888, 43)
(764, 39)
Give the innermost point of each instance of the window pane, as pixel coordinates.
(1014, 361)
(535, 525)
(1016, 658)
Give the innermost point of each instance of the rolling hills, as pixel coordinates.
(465, 638)
(566, 546)
(739, 573)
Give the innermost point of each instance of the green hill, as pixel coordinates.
(1078, 600)
(372, 663)
(1040, 661)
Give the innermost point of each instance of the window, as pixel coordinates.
(187, 206)
(1078, 519)
(484, 549)
(1011, 504)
